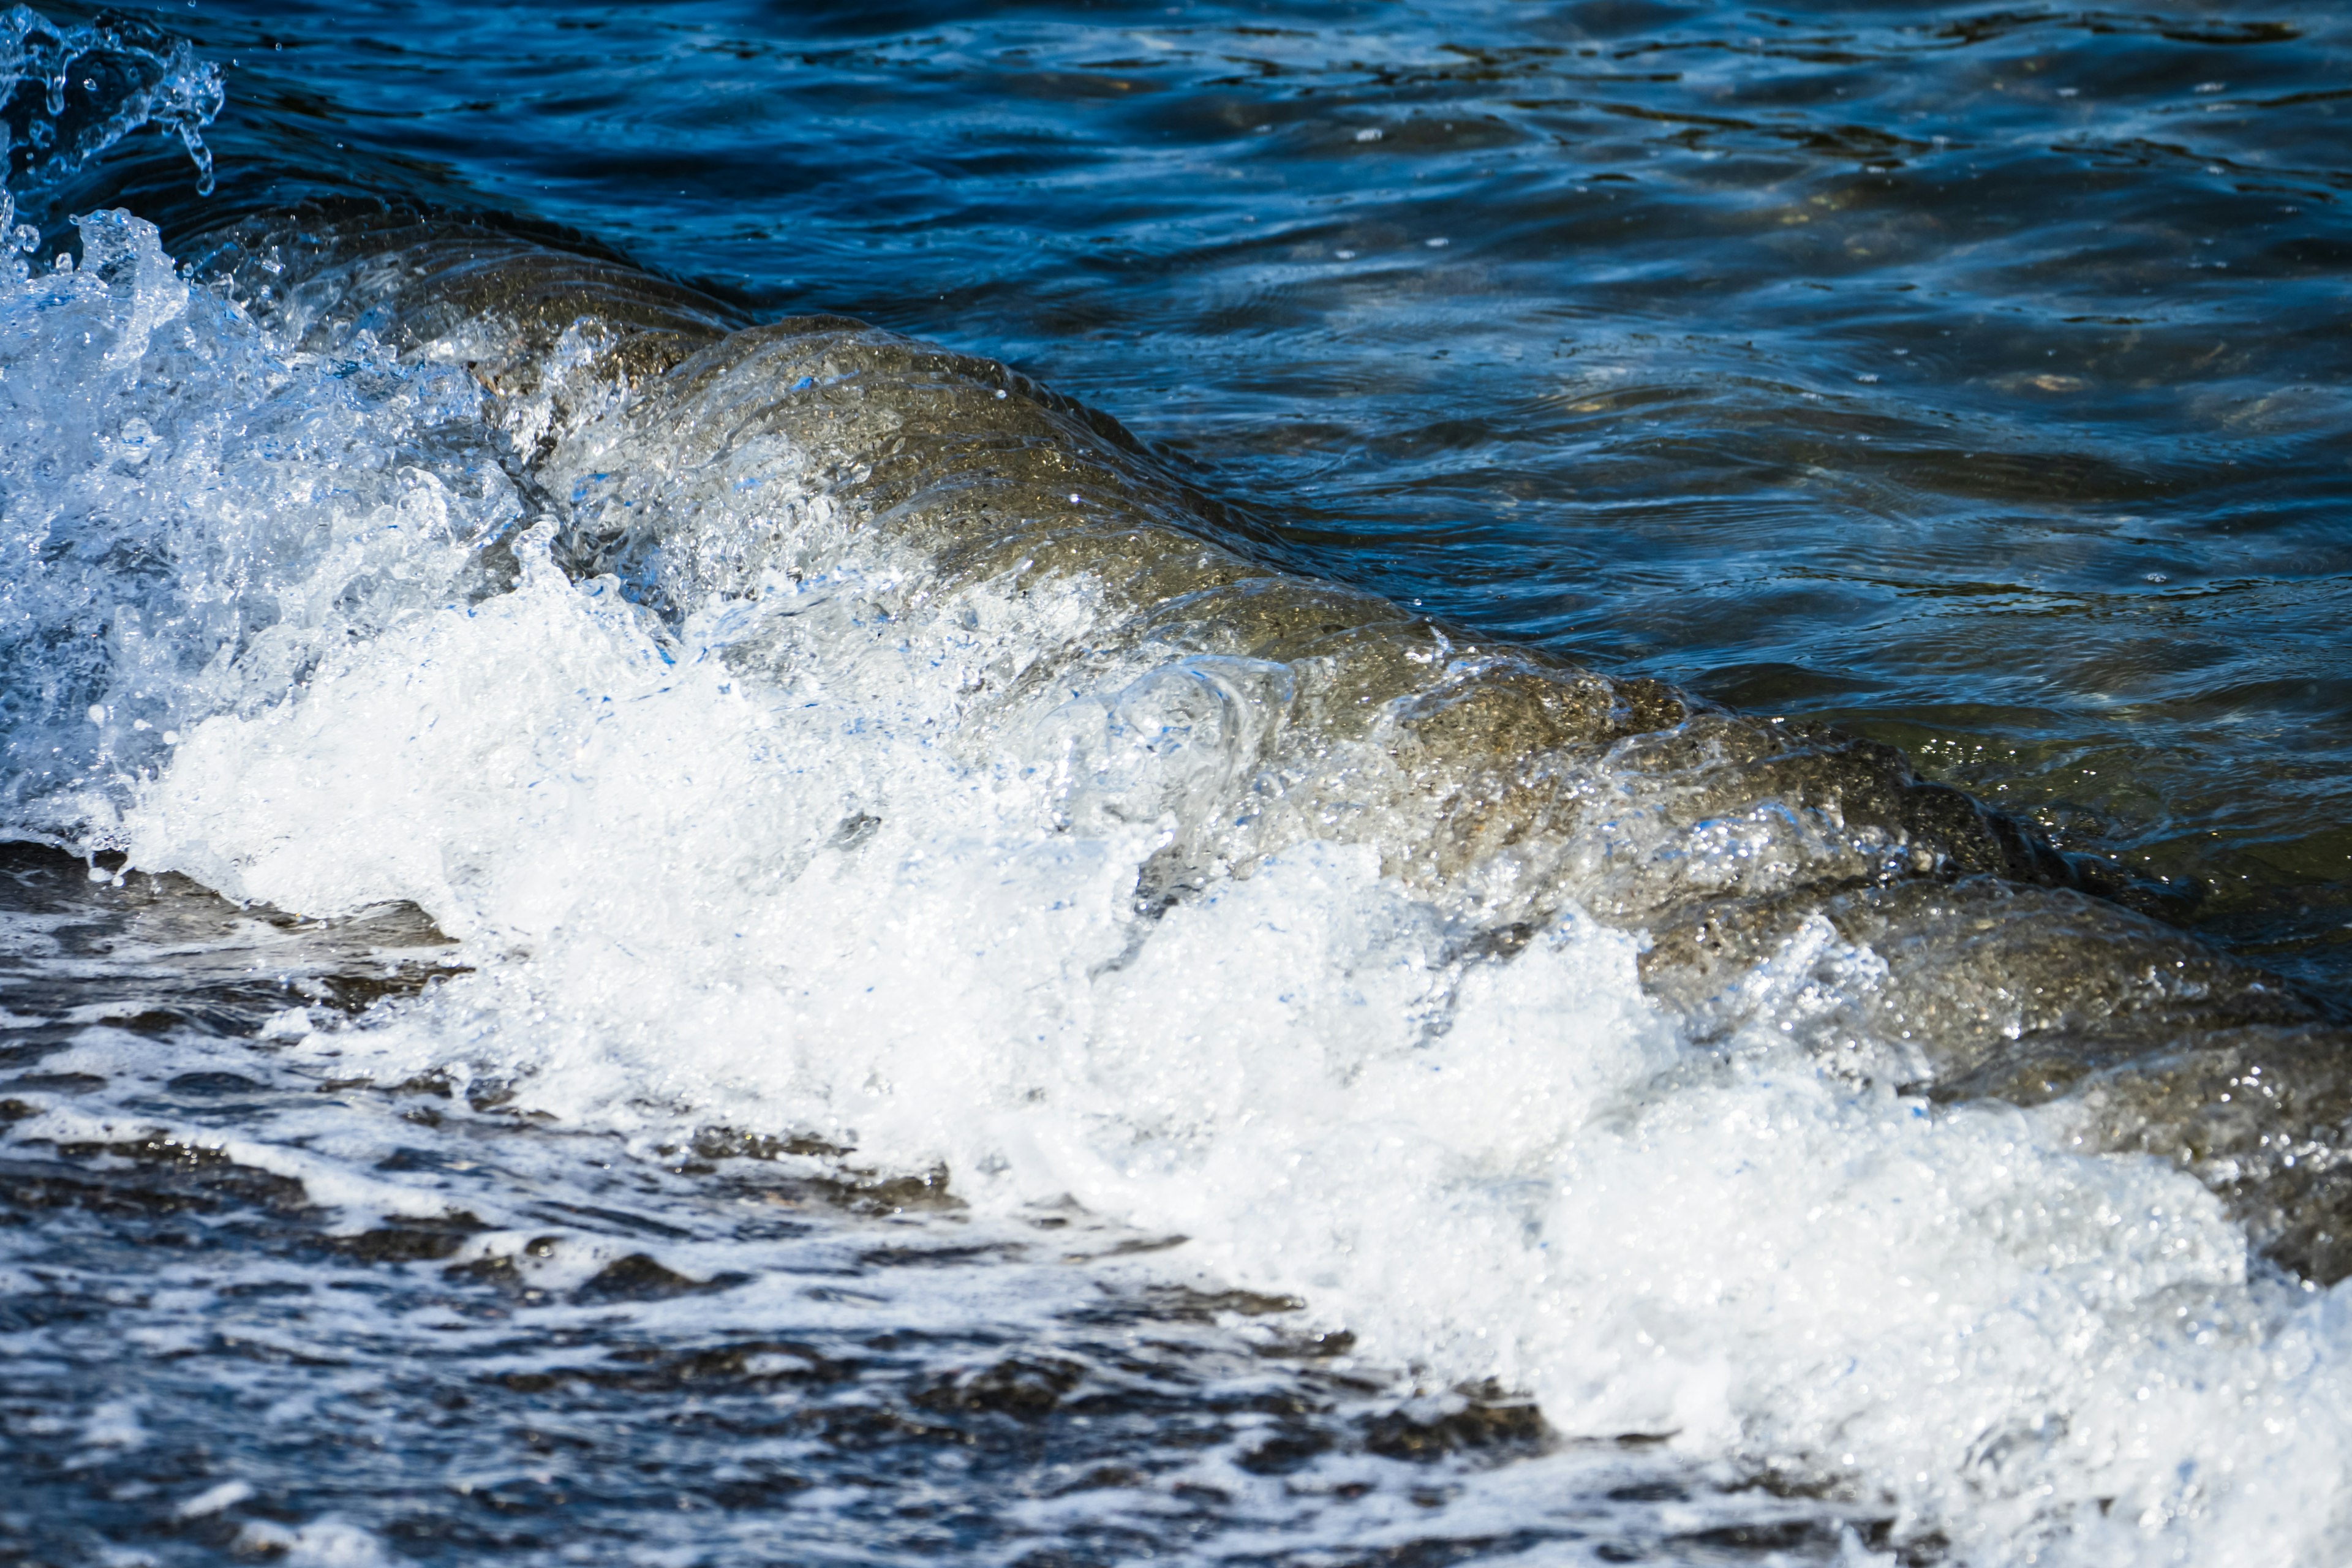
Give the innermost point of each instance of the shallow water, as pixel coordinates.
(1969, 378)
(499, 1367)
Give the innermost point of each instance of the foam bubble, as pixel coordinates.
(765, 865)
(195, 516)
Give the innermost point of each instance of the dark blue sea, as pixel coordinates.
(747, 1037)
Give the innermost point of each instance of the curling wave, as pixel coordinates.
(809, 728)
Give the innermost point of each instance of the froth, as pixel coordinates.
(193, 516)
(785, 858)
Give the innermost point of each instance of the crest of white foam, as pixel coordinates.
(751, 870)
(193, 516)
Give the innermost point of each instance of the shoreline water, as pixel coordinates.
(1527, 1024)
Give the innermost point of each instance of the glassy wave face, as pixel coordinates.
(711, 935)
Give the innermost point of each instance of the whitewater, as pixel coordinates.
(1032, 843)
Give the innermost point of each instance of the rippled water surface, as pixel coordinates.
(1971, 375)
(1975, 378)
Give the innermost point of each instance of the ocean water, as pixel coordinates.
(1535, 783)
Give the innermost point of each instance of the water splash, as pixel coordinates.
(788, 859)
(70, 92)
(304, 485)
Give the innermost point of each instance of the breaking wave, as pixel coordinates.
(813, 732)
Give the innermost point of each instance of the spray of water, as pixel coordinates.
(69, 92)
(806, 855)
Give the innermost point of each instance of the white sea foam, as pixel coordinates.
(191, 517)
(751, 868)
